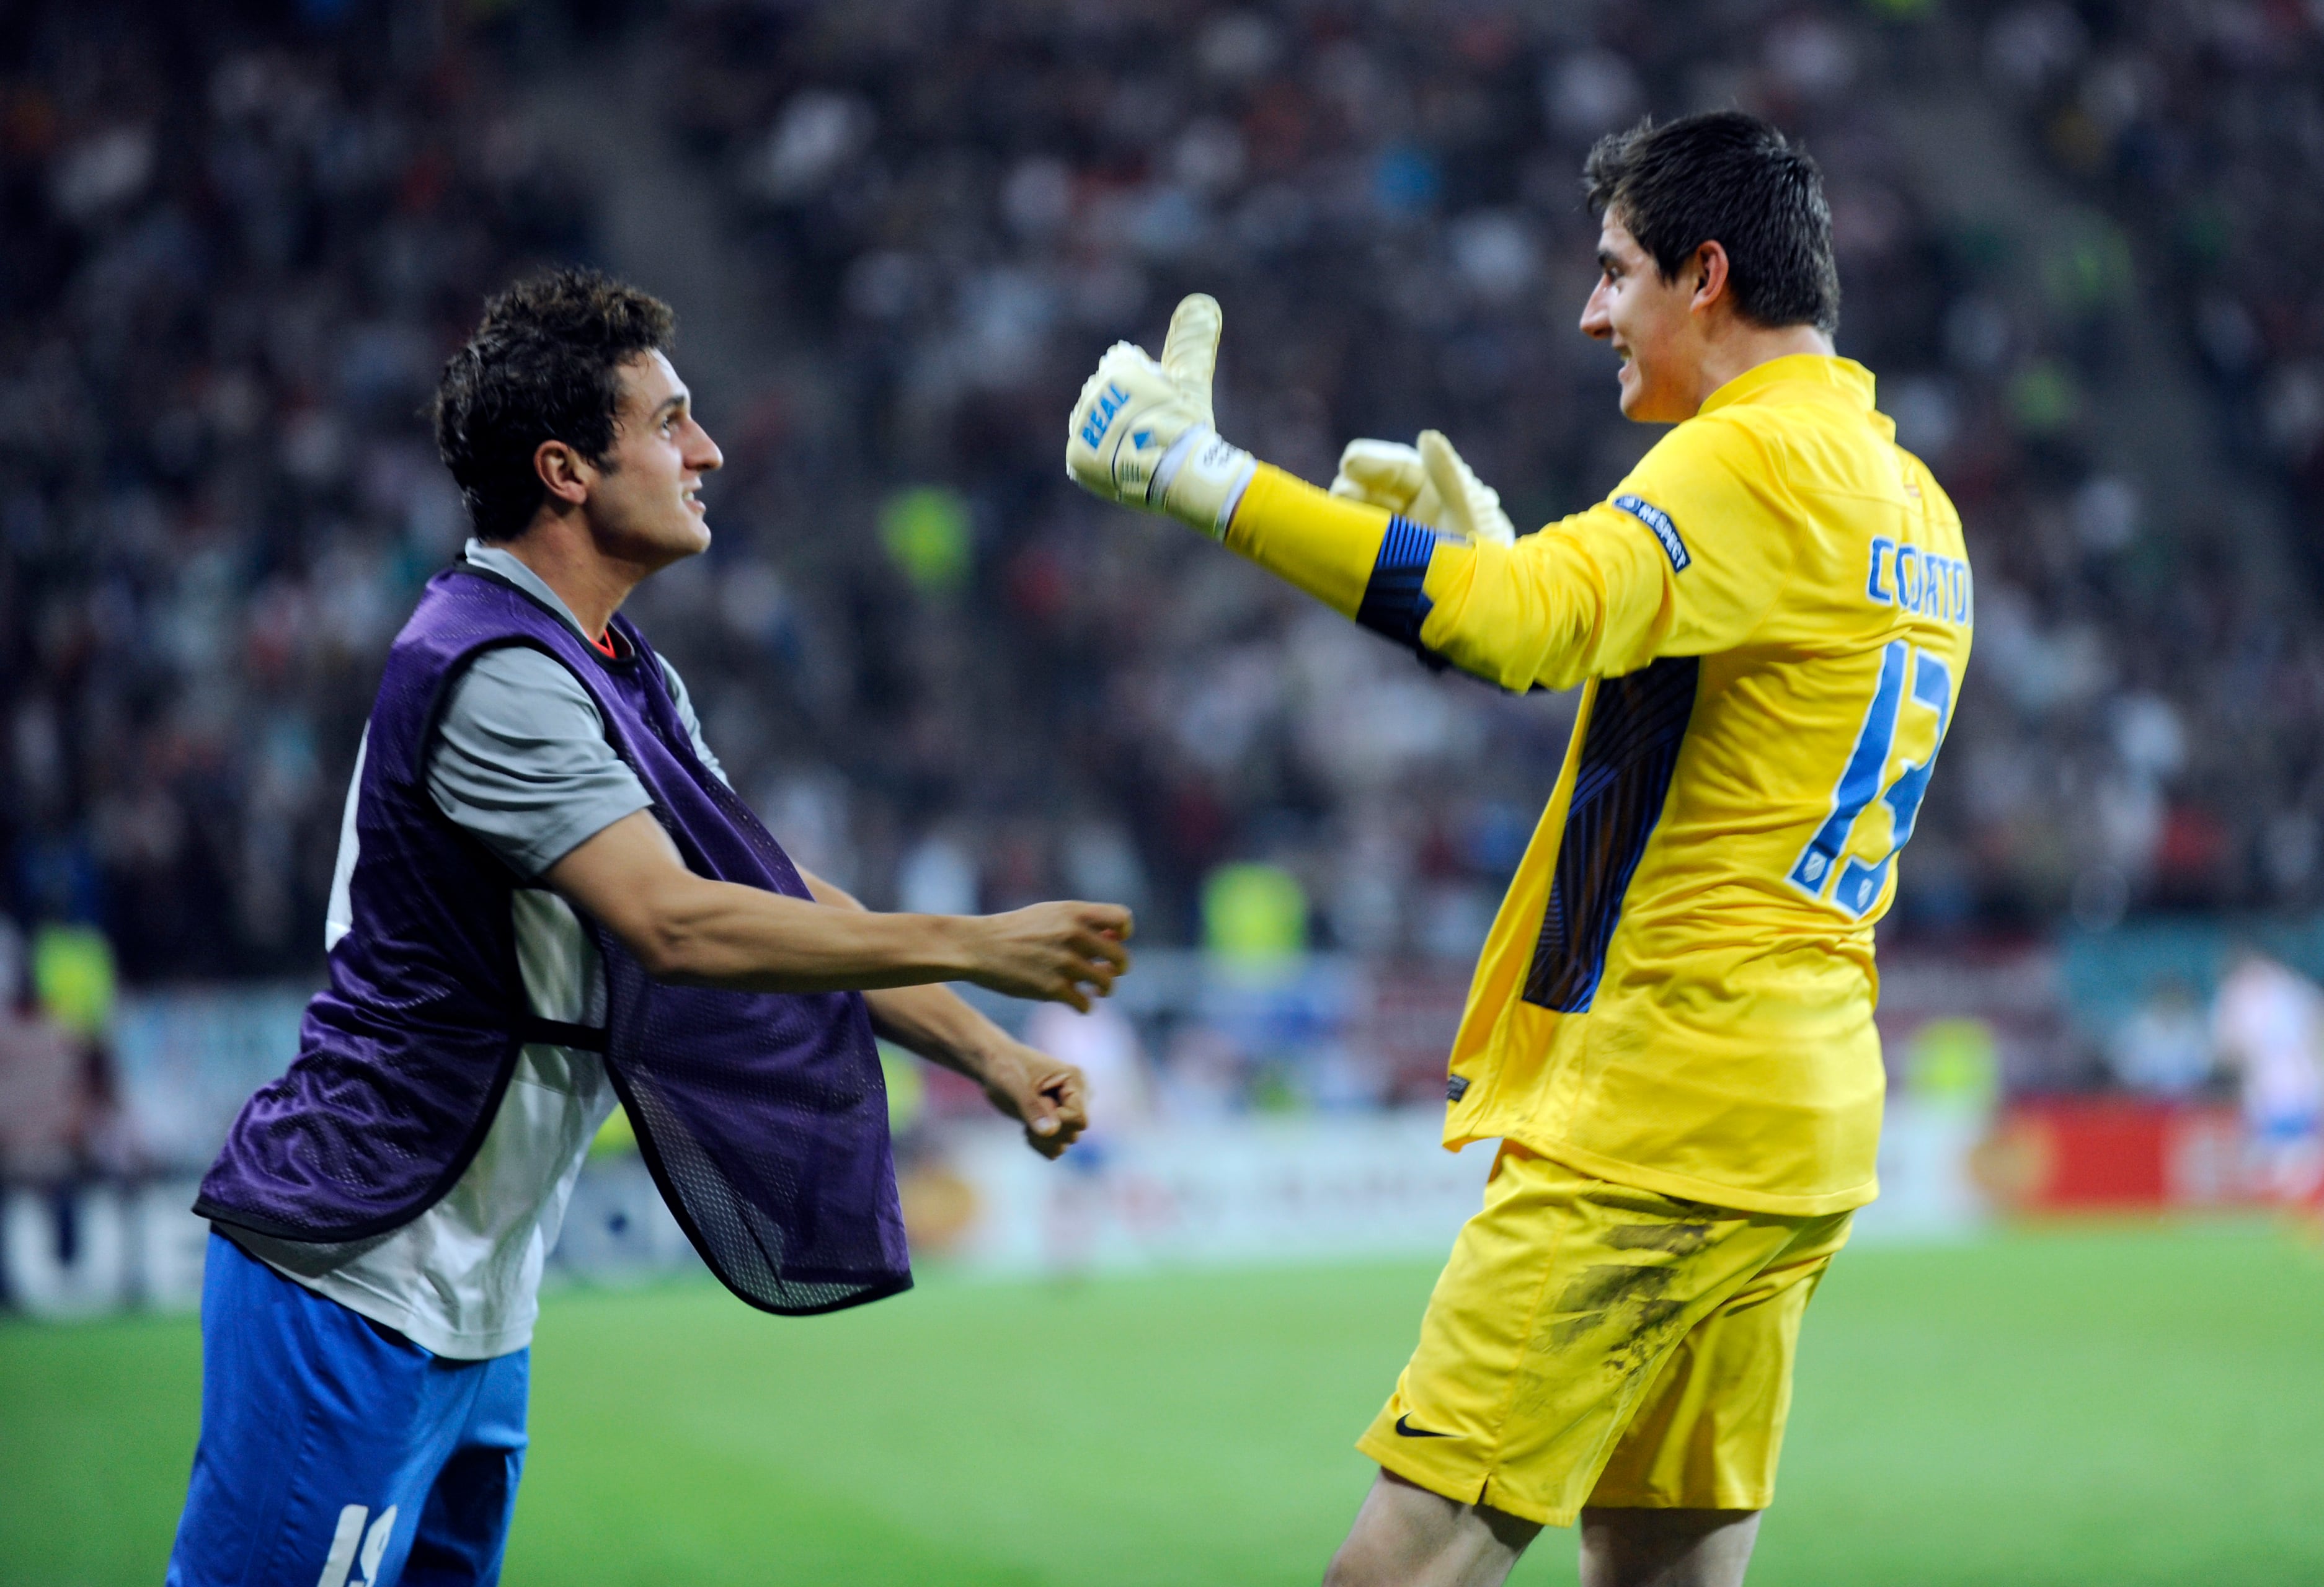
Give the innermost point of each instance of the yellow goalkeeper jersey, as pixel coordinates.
(1770, 618)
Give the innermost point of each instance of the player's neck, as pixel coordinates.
(592, 584)
(1739, 347)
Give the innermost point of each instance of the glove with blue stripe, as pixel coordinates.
(1141, 432)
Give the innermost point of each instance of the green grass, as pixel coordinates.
(2088, 1407)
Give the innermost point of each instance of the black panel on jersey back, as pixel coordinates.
(1636, 728)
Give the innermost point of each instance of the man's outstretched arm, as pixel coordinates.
(1578, 598)
(689, 929)
(1593, 595)
(1050, 1098)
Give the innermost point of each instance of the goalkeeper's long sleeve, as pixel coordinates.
(1687, 558)
(1536, 612)
(1324, 544)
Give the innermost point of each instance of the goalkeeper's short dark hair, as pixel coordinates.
(544, 365)
(1731, 179)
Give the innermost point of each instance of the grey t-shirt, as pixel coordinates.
(520, 758)
(520, 761)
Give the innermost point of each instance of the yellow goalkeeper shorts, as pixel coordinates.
(1590, 1343)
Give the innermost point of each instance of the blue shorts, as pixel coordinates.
(336, 1452)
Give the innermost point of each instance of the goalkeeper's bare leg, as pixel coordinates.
(1408, 1536)
(1666, 1547)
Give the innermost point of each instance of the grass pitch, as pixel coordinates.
(2068, 1406)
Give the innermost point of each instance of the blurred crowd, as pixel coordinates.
(2197, 126)
(2203, 126)
(235, 254)
(234, 251)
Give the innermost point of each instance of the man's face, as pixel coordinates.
(642, 505)
(1650, 322)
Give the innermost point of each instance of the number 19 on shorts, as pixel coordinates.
(1854, 885)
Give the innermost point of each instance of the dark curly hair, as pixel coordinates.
(1731, 179)
(544, 365)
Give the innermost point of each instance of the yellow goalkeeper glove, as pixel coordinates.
(1141, 432)
(1428, 484)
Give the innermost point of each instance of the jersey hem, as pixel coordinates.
(1683, 1186)
(390, 1313)
(1480, 1490)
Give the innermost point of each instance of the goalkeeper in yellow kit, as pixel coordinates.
(1669, 1029)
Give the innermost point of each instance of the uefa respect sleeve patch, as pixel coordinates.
(1655, 518)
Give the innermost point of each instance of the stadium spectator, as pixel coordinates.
(44, 1105)
(1103, 1044)
(2164, 1048)
(2269, 1024)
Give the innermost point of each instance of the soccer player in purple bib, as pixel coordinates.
(547, 900)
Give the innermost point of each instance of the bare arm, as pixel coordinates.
(1049, 1097)
(694, 931)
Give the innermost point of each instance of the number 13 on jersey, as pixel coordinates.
(1824, 869)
